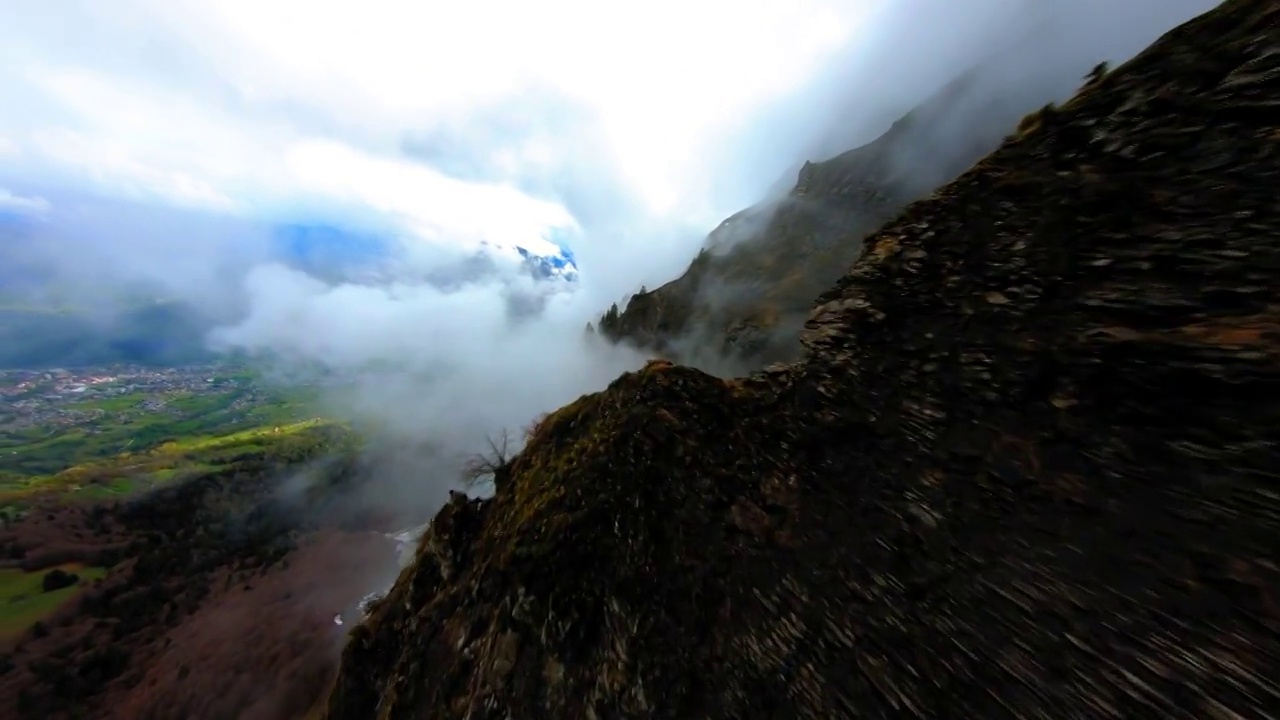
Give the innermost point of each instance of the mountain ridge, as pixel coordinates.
(1022, 468)
(742, 301)
(748, 291)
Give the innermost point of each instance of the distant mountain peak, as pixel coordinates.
(334, 252)
(560, 265)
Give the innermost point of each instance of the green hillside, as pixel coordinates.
(130, 472)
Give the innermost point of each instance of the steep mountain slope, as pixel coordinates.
(747, 293)
(742, 302)
(219, 597)
(1027, 466)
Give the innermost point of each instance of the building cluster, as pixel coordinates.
(65, 397)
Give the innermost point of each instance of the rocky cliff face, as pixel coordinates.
(743, 301)
(745, 297)
(1026, 467)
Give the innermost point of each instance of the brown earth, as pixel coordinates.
(263, 653)
(219, 602)
(54, 534)
(1027, 466)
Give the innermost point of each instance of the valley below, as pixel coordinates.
(177, 542)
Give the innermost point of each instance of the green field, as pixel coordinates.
(23, 602)
(173, 458)
(125, 426)
(107, 444)
(118, 438)
(193, 444)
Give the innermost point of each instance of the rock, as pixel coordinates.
(742, 303)
(1060, 505)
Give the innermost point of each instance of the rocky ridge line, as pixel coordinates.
(742, 302)
(1026, 467)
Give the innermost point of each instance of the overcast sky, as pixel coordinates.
(456, 122)
(436, 118)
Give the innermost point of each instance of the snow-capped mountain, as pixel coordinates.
(559, 265)
(332, 252)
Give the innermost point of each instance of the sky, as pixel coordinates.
(367, 112)
(168, 138)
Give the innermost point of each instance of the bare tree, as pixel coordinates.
(490, 462)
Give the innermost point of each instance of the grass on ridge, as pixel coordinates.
(23, 602)
(130, 472)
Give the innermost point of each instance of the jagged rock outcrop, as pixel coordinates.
(742, 302)
(1027, 467)
(745, 296)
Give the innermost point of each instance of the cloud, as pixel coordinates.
(367, 115)
(116, 168)
(456, 362)
(9, 202)
(659, 81)
(433, 205)
(104, 253)
(210, 91)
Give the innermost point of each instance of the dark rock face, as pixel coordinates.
(1027, 467)
(743, 300)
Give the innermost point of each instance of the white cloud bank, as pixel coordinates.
(205, 101)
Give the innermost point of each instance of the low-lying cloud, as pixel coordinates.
(449, 365)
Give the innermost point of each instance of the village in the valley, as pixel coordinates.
(68, 397)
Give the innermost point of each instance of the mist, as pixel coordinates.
(450, 366)
(1023, 52)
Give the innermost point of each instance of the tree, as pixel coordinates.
(57, 579)
(494, 462)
